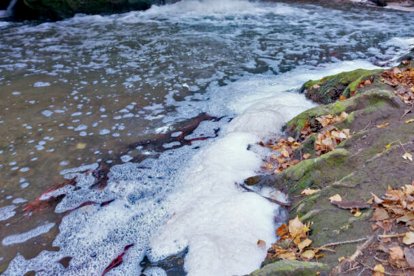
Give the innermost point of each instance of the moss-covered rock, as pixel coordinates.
(331, 88)
(59, 9)
(291, 268)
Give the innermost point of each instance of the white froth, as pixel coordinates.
(218, 222)
(23, 237)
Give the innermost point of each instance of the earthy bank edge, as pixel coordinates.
(368, 162)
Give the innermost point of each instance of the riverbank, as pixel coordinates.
(345, 166)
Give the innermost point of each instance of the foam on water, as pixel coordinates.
(23, 237)
(219, 222)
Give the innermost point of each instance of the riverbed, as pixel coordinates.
(127, 133)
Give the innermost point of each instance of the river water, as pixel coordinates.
(168, 101)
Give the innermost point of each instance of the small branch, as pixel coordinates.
(281, 203)
(391, 236)
(362, 247)
(341, 243)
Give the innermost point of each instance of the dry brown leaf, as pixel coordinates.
(261, 244)
(397, 256)
(308, 255)
(297, 230)
(383, 125)
(306, 156)
(357, 213)
(309, 191)
(380, 214)
(288, 256)
(303, 244)
(408, 156)
(376, 199)
(335, 198)
(283, 231)
(408, 238)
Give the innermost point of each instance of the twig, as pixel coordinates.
(281, 203)
(362, 247)
(391, 236)
(341, 243)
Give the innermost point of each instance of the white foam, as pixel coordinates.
(23, 237)
(41, 84)
(7, 212)
(219, 223)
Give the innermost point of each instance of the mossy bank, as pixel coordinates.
(369, 161)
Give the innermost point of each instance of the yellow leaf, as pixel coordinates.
(379, 270)
(408, 238)
(409, 121)
(388, 146)
(357, 213)
(303, 244)
(284, 153)
(309, 191)
(336, 197)
(340, 259)
(383, 125)
(306, 156)
(80, 146)
(287, 256)
(408, 156)
(308, 254)
(297, 229)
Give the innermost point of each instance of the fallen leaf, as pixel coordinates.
(303, 244)
(380, 214)
(376, 199)
(358, 213)
(309, 191)
(297, 229)
(335, 198)
(308, 254)
(283, 231)
(378, 270)
(406, 218)
(261, 244)
(80, 146)
(287, 256)
(408, 156)
(383, 125)
(396, 256)
(340, 259)
(408, 238)
(306, 156)
(409, 121)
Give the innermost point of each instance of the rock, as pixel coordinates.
(329, 89)
(60, 9)
(291, 268)
(380, 3)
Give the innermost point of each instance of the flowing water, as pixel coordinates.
(122, 136)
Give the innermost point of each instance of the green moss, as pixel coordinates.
(329, 89)
(291, 268)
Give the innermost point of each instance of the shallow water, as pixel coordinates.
(96, 88)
